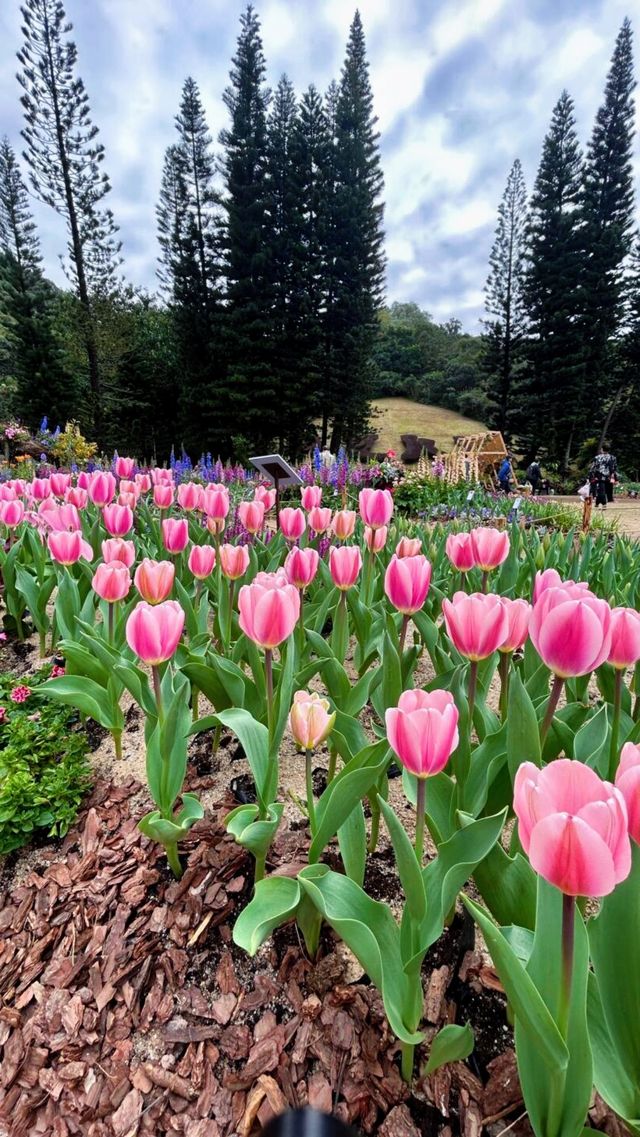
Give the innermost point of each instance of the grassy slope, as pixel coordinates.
(402, 416)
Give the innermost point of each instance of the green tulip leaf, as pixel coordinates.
(274, 902)
(451, 1044)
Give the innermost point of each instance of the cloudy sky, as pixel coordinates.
(461, 88)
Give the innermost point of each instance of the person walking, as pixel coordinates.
(534, 474)
(505, 474)
(602, 477)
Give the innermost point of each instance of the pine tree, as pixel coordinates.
(42, 386)
(553, 394)
(355, 244)
(505, 299)
(623, 419)
(248, 400)
(65, 161)
(171, 212)
(608, 209)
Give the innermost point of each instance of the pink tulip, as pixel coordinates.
(477, 624)
(408, 547)
(202, 560)
(118, 519)
(115, 549)
(153, 633)
(423, 730)
(251, 514)
(75, 495)
(18, 485)
(59, 483)
(551, 578)
(84, 479)
(190, 495)
(573, 827)
(143, 482)
(310, 720)
(625, 638)
(129, 487)
(67, 548)
(345, 563)
(215, 502)
(301, 567)
(61, 517)
(460, 551)
(124, 467)
(490, 547)
(628, 782)
(215, 525)
(154, 580)
(49, 505)
(7, 492)
(311, 497)
(292, 523)
(518, 616)
(160, 477)
(571, 634)
(163, 496)
(111, 581)
(40, 488)
(269, 608)
(128, 499)
(267, 497)
(375, 539)
(376, 507)
(102, 488)
(234, 561)
(344, 523)
(319, 519)
(406, 582)
(175, 534)
(11, 513)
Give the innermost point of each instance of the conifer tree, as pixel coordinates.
(42, 385)
(505, 299)
(608, 209)
(65, 162)
(171, 212)
(553, 395)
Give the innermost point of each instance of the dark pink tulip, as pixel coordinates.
(460, 551)
(234, 561)
(477, 624)
(572, 635)
(518, 616)
(292, 523)
(267, 497)
(251, 514)
(202, 560)
(625, 638)
(376, 507)
(154, 580)
(269, 608)
(111, 581)
(490, 547)
(175, 534)
(11, 513)
(102, 488)
(344, 523)
(408, 547)
(153, 632)
(163, 495)
(375, 539)
(67, 548)
(628, 782)
(124, 467)
(84, 479)
(301, 567)
(190, 495)
(551, 578)
(61, 517)
(319, 519)
(118, 519)
(40, 488)
(311, 497)
(423, 730)
(115, 549)
(406, 582)
(75, 495)
(18, 485)
(345, 563)
(143, 482)
(215, 502)
(59, 483)
(573, 827)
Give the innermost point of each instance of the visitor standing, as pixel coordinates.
(534, 474)
(505, 474)
(602, 477)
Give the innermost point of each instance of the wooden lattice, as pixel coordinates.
(475, 458)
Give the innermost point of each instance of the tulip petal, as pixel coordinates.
(571, 855)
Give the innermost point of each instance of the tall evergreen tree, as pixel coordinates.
(505, 299)
(608, 208)
(553, 395)
(623, 418)
(42, 386)
(65, 161)
(353, 244)
(249, 394)
(171, 212)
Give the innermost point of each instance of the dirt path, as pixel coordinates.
(625, 510)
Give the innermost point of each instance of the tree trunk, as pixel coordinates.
(610, 413)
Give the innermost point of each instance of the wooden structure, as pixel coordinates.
(475, 458)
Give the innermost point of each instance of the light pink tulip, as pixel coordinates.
(215, 502)
(143, 482)
(40, 489)
(310, 720)
(190, 495)
(111, 581)
(202, 560)
(153, 632)
(408, 547)
(625, 638)
(311, 497)
(518, 616)
(628, 782)
(375, 539)
(154, 580)
(423, 730)
(118, 519)
(75, 495)
(344, 523)
(67, 548)
(61, 517)
(251, 514)
(128, 499)
(102, 488)
(160, 477)
(11, 513)
(551, 578)
(115, 549)
(269, 608)
(7, 492)
(406, 582)
(163, 495)
(129, 487)
(59, 483)
(124, 467)
(301, 567)
(376, 507)
(460, 550)
(571, 634)
(267, 497)
(573, 827)
(175, 534)
(319, 519)
(234, 561)
(345, 563)
(477, 624)
(292, 523)
(490, 547)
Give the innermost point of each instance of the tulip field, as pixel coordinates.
(392, 781)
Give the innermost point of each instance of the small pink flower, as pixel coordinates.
(20, 693)
(3, 714)
(56, 671)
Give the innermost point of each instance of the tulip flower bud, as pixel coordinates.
(376, 507)
(153, 633)
(408, 547)
(477, 624)
(292, 523)
(310, 720)
(124, 467)
(111, 581)
(301, 567)
(344, 524)
(269, 608)
(202, 560)
(311, 497)
(423, 730)
(118, 519)
(175, 534)
(234, 561)
(319, 519)
(628, 782)
(251, 514)
(163, 496)
(190, 496)
(406, 582)
(375, 539)
(154, 580)
(345, 563)
(115, 549)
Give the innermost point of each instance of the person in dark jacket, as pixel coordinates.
(534, 474)
(505, 474)
(602, 477)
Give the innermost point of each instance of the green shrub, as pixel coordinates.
(44, 773)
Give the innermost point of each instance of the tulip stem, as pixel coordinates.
(473, 683)
(232, 589)
(311, 809)
(556, 690)
(261, 860)
(268, 674)
(504, 672)
(568, 936)
(407, 1051)
(485, 580)
(420, 812)
(301, 623)
(43, 644)
(615, 722)
(111, 623)
(157, 690)
(403, 633)
(174, 859)
(117, 743)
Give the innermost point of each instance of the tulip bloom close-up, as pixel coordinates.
(269, 608)
(407, 581)
(153, 631)
(423, 730)
(154, 580)
(477, 623)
